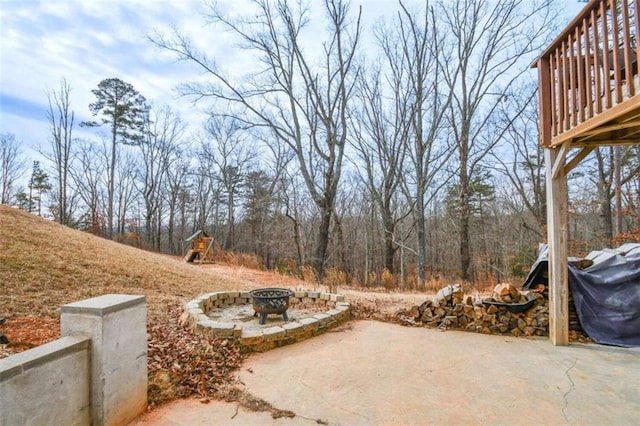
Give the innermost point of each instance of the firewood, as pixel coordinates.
(445, 294)
(463, 321)
(453, 310)
(488, 318)
(427, 315)
(506, 293)
(413, 312)
(433, 323)
(458, 309)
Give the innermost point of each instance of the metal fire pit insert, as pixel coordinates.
(270, 301)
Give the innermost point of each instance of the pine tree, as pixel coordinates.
(124, 110)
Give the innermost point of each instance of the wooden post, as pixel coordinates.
(544, 91)
(557, 238)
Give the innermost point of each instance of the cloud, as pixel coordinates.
(86, 41)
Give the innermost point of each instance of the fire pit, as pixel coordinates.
(270, 301)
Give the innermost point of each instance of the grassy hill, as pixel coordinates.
(44, 265)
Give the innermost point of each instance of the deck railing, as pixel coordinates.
(590, 68)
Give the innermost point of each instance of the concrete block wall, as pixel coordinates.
(117, 324)
(271, 337)
(95, 374)
(47, 385)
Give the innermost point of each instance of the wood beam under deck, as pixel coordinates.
(558, 253)
(615, 116)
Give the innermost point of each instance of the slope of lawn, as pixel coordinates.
(44, 265)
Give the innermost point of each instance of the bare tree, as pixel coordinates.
(233, 157)
(606, 160)
(416, 46)
(614, 169)
(491, 44)
(302, 105)
(87, 174)
(263, 197)
(61, 119)
(521, 160)
(125, 194)
(11, 166)
(158, 149)
(381, 139)
(178, 198)
(207, 195)
(292, 207)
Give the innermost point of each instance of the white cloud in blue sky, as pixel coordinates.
(86, 41)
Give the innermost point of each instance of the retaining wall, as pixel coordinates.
(271, 337)
(48, 384)
(95, 374)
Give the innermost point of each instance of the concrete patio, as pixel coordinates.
(376, 373)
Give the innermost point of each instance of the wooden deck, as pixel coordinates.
(589, 84)
(589, 92)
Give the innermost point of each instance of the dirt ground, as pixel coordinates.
(387, 302)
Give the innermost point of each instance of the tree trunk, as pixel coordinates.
(158, 236)
(605, 196)
(297, 238)
(465, 215)
(323, 239)
(230, 243)
(422, 241)
(342, 247)
(389, 253)
(112, 174)
(617, 188)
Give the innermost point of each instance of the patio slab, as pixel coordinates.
(370, 372)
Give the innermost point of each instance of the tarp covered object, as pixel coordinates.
(606, 294)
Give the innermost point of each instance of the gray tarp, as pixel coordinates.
(606, 294)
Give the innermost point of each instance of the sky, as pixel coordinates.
(86, 41)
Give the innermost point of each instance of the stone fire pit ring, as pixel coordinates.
(272, 337)
(271, 301)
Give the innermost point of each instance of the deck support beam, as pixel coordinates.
(557, 236)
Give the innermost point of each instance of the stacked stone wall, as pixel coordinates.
(265, 339)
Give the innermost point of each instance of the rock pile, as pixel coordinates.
(508, 311)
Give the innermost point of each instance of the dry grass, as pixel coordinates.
(44, 265)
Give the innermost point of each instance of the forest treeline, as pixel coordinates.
(397, 155)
